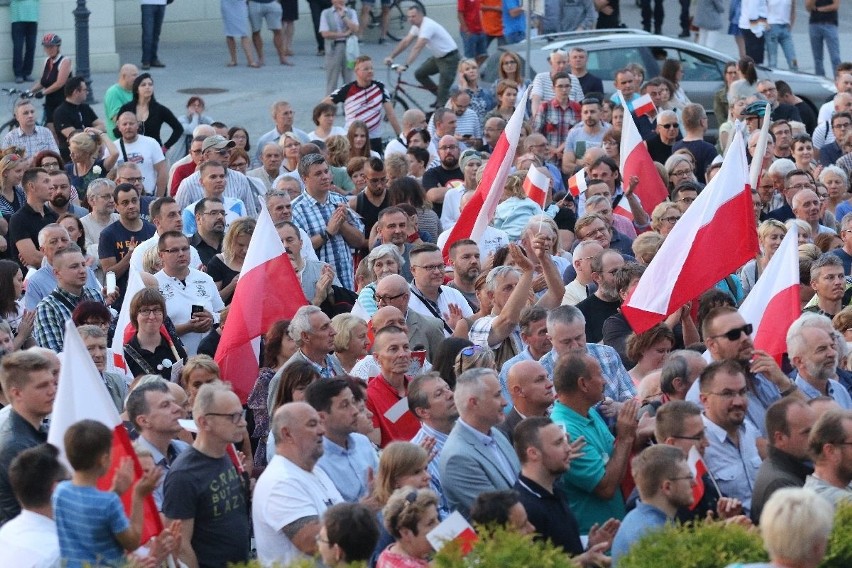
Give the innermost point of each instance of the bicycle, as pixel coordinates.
(399, 96)
(15, 95)
(397, 18)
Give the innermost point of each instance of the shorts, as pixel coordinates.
(474, 44)
(260, 11)
(371, 2)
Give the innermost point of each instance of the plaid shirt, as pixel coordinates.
(40, 139)
(555, 121)
(53, 312)
(619, 385)
(313, 217)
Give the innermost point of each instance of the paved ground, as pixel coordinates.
(198, 63)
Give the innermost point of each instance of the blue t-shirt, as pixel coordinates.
(513, 25)
(87, 521)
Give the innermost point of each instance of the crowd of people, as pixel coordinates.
(498, 378)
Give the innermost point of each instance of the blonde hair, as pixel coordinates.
(337, 147)
(794, 522)
(240, 227)
(344, 325)
(195, 363)
(766, 227)
(399, 459)
(514, 185)
(659, 211)
(85, 143)
(646, 245)
(151, 261)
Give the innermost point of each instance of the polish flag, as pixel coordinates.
(134, 284)
(773, 304)
(699, 470)
(643, 106)
(453, 528)
(268, 290)
(479, 211)
(713, 239)
(577, 183)
(82, 395)
(536, 185)
(636, 161)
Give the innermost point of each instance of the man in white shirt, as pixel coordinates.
(165, 214)
(143, 151)
(30, 540)
(429, 297)
(445, 53)
(292, 493)
(192, 300)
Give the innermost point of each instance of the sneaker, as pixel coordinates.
(19, 80)
(146, 66)
(28, 78)
(684, 34)
(157, 63)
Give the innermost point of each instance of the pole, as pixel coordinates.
(529, 40)
(81, 37)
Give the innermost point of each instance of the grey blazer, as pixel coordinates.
(468, 468)
(426, 331)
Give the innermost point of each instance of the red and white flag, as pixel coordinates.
(134, 284)
(479, 211)
(698, 469)
(636, 161)
(82, 395)
(773, 304)
(536, 185)
(577, 183)
(713, 239)
(643, 106)
(268, 290)
(453, 528)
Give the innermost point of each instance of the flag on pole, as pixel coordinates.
(636, 161)
(773, 304)
(268, 290)
(693, 258)
(134, 284)
(479, 211)
(536, 185)
(577, 183)
(643, 106)
(760, 149)
(82, 395)
(699, 470)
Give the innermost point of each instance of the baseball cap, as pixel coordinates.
(217, 142)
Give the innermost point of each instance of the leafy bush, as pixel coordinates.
(840, 542)
(503, 548)
(702, 545)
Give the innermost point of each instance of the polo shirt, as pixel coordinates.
(197, 289)
(26, 223)
(639, 521)
(381, 396)
(588, 470)
(549, 513)
(16, 435)
(734, 467)
(205, 251)
(446, 296)
(348, 467)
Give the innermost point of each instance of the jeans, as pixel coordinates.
(445, 67)
(779, 34)
(152, 24)
(824, 33)
(23, 47)
(474, 44)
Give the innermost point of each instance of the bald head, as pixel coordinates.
(447, 140)
(126, 75)
(387, 316)
(522, 373)
(203, 130)
(412, 118)
(649, 388)
(391, 285)
(843, 101)
(591, 155)
(530, 388)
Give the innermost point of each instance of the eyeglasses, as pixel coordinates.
(471, 350)
(139, 179)
(686, 200)
(431, 267)
(600, 231)
(236, 417)
(175, 250)
(696, 438)
(680, 173)
(799, 186)
(736, 333)
(215, 213)
(148, 312)
(672, 219)
(50, 165)
(388, 299)
(509, 62)
(672, 125)
(731, 394)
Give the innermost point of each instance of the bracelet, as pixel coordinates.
(790, 390)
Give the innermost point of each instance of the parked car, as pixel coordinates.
(703, 68)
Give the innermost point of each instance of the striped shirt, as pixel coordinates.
(467, 123)
(40, 139)
(87, 521)
(542, 85)
(363, 103)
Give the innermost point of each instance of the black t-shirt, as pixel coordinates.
(114, 242)
(823, 17)
(704, 153)
(220, 272)
(786, 112)
(550, 514)
(596, 311)
(205, 251)
(369, 213)
(211, 492)
(75, 116)
(808, 115)
(26, 223)
(438, 176)
(591, 84)
(659, 150)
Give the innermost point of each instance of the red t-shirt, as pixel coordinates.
(182, 172)
(381, 397)
(469, 9)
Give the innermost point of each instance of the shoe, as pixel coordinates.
(28, 78)
(381, 40)
(157, 63)
(320, 53)
(146, 66)
(19, 80)
(684, 34)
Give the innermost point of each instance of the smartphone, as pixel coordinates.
(196, 308)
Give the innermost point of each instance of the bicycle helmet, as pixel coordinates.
(51, 39)
(757, 108)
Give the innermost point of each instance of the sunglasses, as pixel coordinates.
(470, 351)
(736, 333)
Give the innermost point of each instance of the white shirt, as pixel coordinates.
(438, 39)
(451, 210)
(778, 11)
(29, 541)
(145, 152)
(446, 297)
(368, 368)
(198, 289)
(144, 246)
(489, 242)
(286, 493)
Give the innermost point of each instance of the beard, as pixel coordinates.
(450, 162)
(59, 201)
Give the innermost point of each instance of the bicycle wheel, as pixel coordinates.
(398, 23)
(399, 104)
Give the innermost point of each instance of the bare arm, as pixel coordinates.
(303, 533)
(569, 162)
(391, 115)
(617, 464)
(162, 169)
(415, 51)
(187, 554)
(28, 253)
(510, 315)
(353, 236)
(555, 287)
(400, 47)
